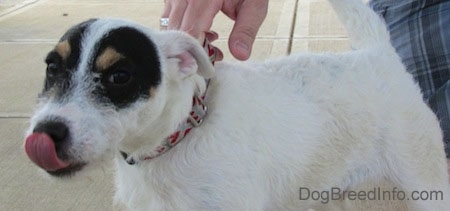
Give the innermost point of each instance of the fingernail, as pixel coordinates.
(242, 45)
(243, 49)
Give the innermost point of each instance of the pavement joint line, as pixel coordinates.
(53, 41)
(268, 37)
(15, 117)
(292, 29)
(311, 37)
(17, 7)
(28, 41)
(343, 37)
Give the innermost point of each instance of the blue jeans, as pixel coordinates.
(420, 32)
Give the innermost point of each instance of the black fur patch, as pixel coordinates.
(59, 70)
(131, 77)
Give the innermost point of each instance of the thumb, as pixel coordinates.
(248, 21)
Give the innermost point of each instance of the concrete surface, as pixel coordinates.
(30, 28)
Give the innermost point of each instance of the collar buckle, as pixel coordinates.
(198, 112)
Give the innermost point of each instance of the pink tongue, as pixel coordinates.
(41, 150)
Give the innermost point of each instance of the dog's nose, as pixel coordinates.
(58, 131)
(46, 145)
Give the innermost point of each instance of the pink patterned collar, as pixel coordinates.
(195, 119)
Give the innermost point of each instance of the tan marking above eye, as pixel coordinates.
(153, 91)
(107, 58)
(63, 49)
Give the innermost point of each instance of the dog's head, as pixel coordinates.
(108, 79)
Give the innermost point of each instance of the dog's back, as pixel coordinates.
(354, 121)
(306, 130)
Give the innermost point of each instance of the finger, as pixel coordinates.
(248, 21)
(198, 17)
(177, 10)
(165, 14)
(167, 8)
(211, 36)
(218, 53)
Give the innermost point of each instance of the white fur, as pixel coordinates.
(306, 120)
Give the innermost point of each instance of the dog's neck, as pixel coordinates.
(194, 119)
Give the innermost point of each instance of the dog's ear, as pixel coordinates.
(192, 57)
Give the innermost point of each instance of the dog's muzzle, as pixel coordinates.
(47, 148)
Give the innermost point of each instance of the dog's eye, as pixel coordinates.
(52, 67)
(119, 77)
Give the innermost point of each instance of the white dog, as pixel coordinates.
(277, 135)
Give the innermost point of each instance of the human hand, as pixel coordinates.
(196, 17)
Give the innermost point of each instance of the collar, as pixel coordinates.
(195, 119)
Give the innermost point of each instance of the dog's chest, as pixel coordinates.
(154, 187)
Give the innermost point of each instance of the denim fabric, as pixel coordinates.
(420, 32)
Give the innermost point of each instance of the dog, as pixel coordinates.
(272, 135)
